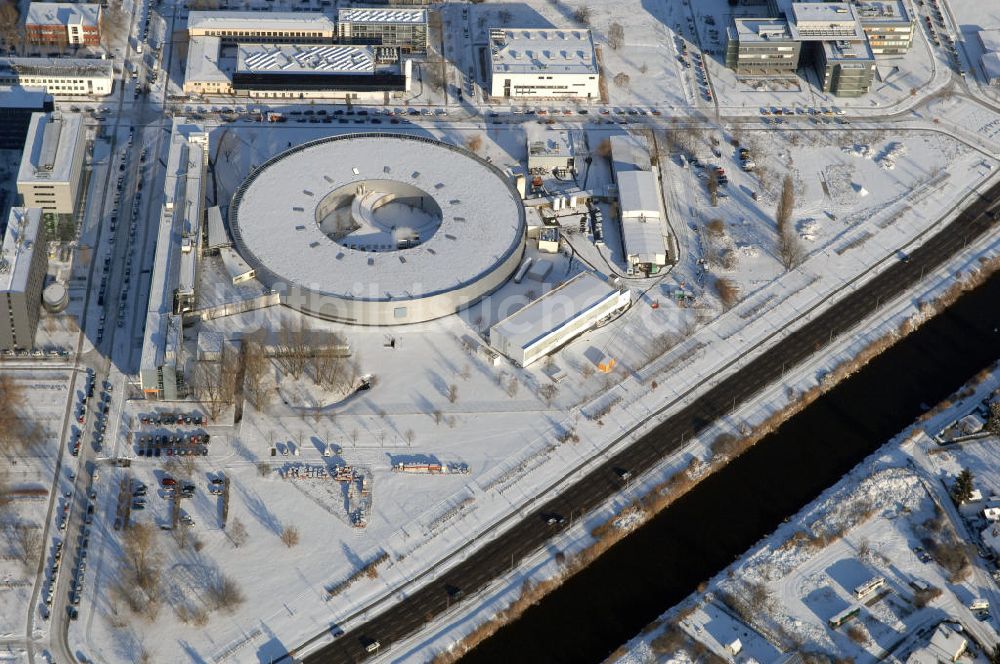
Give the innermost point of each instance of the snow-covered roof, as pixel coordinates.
(20, 241)
(319, 58)
(273, 217)
(93, 67)
(14, 96)
(991, 66)
(414, 16)
(548, 143)
(217, 236)
(554, 310)
(260, 21)
(642, 233)
(549, 50)
(990, 39)
(749, 30)
(839, 51)
(815, 21)
(184, 160)
(63, 13)
(49, 149)
(882, 11)
(991, 537)
(638, 194)
(203, 60)
(628, 153)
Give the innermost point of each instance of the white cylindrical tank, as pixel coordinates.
(55, 297)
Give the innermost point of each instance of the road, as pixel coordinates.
(497, 555)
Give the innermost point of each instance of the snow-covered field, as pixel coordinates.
(30, 477)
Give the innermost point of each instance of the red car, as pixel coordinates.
(168, 481)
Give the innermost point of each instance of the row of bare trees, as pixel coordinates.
(790, 250)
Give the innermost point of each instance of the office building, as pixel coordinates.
(60, 77)
(845, 69)
(264, 27)
(16, 108)
(296, 71)
(23, 262)
(762, 47)
(63, 24)
(546, 63)
(888, 24)
(52, 162)
(404, 28)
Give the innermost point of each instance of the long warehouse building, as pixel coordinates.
(640, 206)
(557, 317)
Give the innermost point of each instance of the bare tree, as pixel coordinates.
(548, 393)
(789, 249)
(224, 593)
(616, 36)
(295, 346)
(622, 80)
(255, 363)
(713, 187)
(512, 386)
(436, 414)
(142, 558)
(27, 543)
(728, 291)
(474, 143)
(410, 436)
(10, 29)
(263, 469)
(452, 393)
(290, 536)
(582, 15)
(17, 432)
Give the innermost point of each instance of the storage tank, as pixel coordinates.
(55, 297)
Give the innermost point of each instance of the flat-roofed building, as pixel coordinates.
(23, 262)
(543, 63)
(640, 205)
(888, 24)
(52, 162)
(557, 317)
(63, 23)
(205, 72)
(161, 368)
(319, 71)
(17, 104)
(269, 27)
(845, 69)
(761, 47)
(824, 21)
(402, 27)
(61, 77)
(549, 150)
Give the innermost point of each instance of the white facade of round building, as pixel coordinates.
(378, 229)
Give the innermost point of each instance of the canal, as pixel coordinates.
(657, 566)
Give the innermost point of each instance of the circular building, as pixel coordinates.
(378, 229)
(55, 297)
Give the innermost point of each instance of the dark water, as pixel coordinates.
(657, 566)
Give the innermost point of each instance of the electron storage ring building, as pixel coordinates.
(378, 229)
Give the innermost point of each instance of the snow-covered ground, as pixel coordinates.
(875, 522)
(867, 187)
(410, 416)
